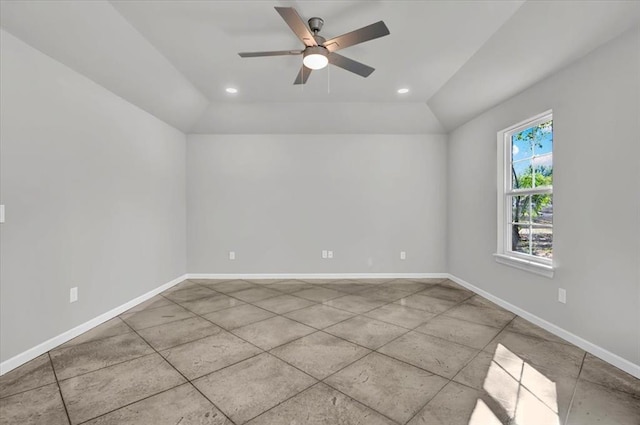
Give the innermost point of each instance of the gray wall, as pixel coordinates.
(596, 111)
(95, 197)
(279, 200)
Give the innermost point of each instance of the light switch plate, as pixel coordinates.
(1, 213)
(403, 255)
(232, 255)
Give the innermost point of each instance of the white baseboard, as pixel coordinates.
(39, 349)
(317, 275)
(589, 347)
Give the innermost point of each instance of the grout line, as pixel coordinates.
(55, 375)
(575, 389)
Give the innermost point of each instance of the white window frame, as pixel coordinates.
(504, 254)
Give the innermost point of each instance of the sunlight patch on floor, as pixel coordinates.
(482, 415)
(522, 391)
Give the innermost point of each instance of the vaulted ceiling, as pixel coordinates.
(174, 59)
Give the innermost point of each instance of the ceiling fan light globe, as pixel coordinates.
(315, 58)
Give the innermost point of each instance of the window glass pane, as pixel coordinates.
(542, 242)
(521, 174)
(520, 209)
(532, 157)
(542, 208)
(520, 238)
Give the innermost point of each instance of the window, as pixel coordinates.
(525, 195)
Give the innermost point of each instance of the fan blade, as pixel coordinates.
(303, 75)
(274, 53)
(370, 32)
(350, 65)
(297, 25)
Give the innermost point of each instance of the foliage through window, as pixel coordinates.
(527, 198)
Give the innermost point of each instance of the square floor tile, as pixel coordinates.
(185, 284)
(249, 388)
(472, 335)
(153, 302)
(252, 295)
(349, 287)
(96, 393)
(210, 304)
(319, 316)
(320, 354)
(273, 332)
(107, 329)
(595, 405)
(446, 293)
(181, 405)
(367, 332)
(283, 304)
(289, 286)
(479, 301)
(603, 373)
(388, 386)
(321, 405)
(409, 286)
(157, 316)
(429, 304)
(386, 293)
(401, 316)
(265, 281)
(460, 405)
(206, 355)
(33, 374)
(559, 358)
(40, 406)
(482, 315)
(433, 354)
(179, 332)
(93, 355)
(354, 303)
(236, 317)
(522, 326)
(232, 286)
(319, 294)
(190, 294)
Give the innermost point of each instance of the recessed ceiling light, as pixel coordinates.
(231, 90)
(403, 91)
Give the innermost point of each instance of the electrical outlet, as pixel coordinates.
(73, 294)
(330, 254)
(562, 295)
(403, 255)
(232, 255)
(325, 253)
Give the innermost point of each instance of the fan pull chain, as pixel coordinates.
(328, 79)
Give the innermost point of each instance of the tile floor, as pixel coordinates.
(369, 352)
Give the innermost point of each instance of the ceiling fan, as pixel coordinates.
(320, 52)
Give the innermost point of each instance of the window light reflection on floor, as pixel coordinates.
(482, 415)
(521, 390)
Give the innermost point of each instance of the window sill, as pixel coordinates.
(530, 266)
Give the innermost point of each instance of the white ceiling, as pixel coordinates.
(175, 58)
